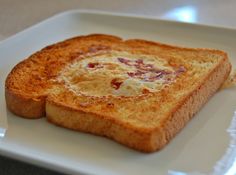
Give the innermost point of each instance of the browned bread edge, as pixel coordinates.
(27, 107)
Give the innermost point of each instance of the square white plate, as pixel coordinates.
(197, 148)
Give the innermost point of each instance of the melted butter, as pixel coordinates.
(93, 75)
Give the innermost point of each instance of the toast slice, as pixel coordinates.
(136, 92)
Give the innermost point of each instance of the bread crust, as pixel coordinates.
(31, 108)
(99, 125)
(101, 115)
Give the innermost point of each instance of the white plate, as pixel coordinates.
(197, 148)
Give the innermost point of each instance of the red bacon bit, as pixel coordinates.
(155, 77)
(149, 78)
(148, 72)
(131, 74)
(145, 91)
(137, 74)
(139, 61)
(125, 61)
(164, 72)
(147, 67)
(94, 65)
(115, 83)
(141, 65)
(181, 69)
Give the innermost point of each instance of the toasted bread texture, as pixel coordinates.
(136, 92)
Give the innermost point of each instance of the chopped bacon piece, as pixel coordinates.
(148, 72)
(131, 74)
(94, 65)
(145, 91)
(155, 77)
(136, 74)
(181, 69)
(139, 73)
(147, 67)
(116, 83)
(147, 77)
(139, 61)
(141, 65)
(125, 61)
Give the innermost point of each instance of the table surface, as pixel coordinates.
(16, 16)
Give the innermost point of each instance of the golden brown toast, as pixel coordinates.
(136, 92)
